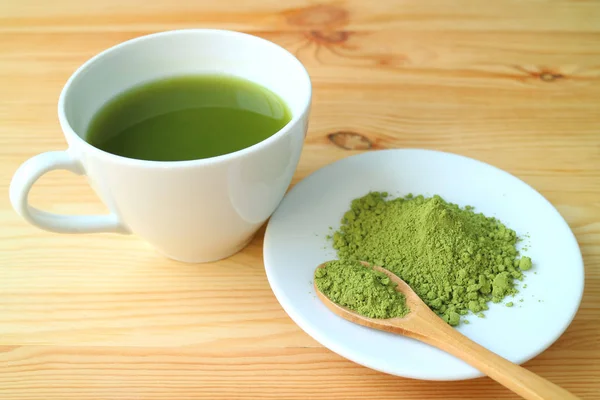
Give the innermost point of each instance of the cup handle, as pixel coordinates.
(29, 172)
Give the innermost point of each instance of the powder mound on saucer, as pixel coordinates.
(456, 260)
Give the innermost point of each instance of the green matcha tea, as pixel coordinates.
(187, 118)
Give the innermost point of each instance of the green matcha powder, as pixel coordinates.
(456, 260)
(368, 292)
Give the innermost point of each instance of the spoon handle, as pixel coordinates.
(523, 382)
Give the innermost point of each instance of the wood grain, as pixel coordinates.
(512, 83)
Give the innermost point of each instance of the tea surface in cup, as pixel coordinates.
(187, 117)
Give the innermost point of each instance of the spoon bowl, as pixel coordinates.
(423, 324)
(403, 326)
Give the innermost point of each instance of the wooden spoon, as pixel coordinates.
(424, 325)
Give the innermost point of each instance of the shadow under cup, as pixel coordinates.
(197, 210)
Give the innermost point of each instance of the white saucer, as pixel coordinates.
(295, 243)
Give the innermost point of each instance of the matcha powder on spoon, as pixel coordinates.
(456, 260)
(360, 288)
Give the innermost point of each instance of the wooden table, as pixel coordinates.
(513, 83)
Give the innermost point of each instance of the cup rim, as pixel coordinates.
(70, 133)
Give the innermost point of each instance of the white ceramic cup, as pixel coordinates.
(194, 211)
